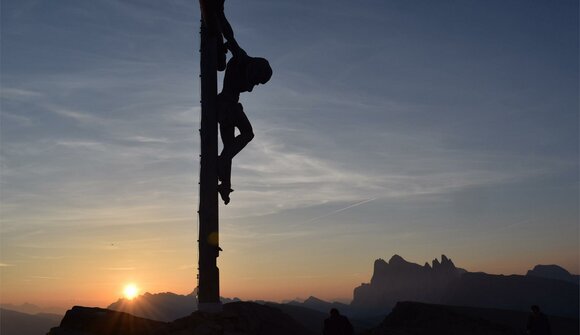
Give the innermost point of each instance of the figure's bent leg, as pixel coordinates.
(225, 164)
(246, 135)
(224, 161)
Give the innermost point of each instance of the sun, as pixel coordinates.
(130, 291)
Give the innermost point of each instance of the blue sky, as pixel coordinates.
(409, 127)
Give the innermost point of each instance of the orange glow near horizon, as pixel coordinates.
(245, 275)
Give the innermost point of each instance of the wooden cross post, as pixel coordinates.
(208, 280)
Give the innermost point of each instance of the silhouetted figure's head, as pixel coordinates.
(538, 323)
(258, 71)
(337, 324)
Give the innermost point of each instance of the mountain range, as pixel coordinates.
(444, 283)
(439, 288)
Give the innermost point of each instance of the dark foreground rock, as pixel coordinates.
(86, 320)
(237, 318)
(411, 318)
(414, 318)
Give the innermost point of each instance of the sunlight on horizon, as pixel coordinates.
(130, 291)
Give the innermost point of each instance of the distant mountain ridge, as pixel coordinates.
(18, 323)
(320, 305)
(164, 306)
(29, 308)
(444, 283)
(553, 272)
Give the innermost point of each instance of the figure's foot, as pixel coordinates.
(224, 192)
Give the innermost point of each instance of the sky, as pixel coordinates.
(417, 128)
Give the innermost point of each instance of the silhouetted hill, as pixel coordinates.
(160, 306)
(429, 319)
(165, 306)
(17, 323)
(443, 283)
(240, 318)
(553, 272)
(89, 321)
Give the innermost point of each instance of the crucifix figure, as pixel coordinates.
(242, 74)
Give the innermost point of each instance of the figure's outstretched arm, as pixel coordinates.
(228, 33)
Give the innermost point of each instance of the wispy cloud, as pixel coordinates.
(45, 277)
(81, 144)
(129, 268)
(73, 114)
(18, 94)
(144, 139)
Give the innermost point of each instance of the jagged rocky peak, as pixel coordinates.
(380, 265)
(380, 262)
(445, 264)
(397, 265)
(436, 264)
(396, 259)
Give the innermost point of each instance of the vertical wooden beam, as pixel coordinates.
(209, 292)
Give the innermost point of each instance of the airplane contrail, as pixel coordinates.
(341, 210)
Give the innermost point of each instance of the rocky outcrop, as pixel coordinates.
(98, 321)
(398, 280)
(237, 318)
